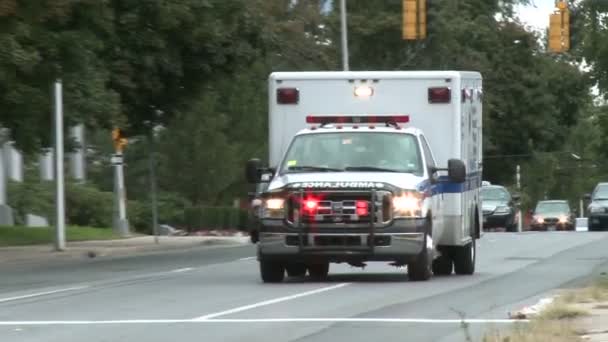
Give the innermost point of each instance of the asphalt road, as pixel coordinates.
(216, 295)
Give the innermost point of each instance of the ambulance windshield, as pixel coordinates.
(354, 151)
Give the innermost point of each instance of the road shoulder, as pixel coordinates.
(135, 246)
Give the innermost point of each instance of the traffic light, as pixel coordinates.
(414, 19)
(559, 29)
(120, 141)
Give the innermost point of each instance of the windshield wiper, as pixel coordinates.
(370, 168)
(313, 168)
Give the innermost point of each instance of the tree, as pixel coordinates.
(41, 42)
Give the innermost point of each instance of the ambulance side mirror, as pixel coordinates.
(252, 170)
(255, 173)
(457, 171)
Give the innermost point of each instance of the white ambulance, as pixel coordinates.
(374, 166)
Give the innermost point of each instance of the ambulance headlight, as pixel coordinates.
(408, 204)
(273, 208)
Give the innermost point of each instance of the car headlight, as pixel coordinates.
(563, 219)
(539, 219)
(273, 208)
(502, 210)
(596, 209)
(408, 204)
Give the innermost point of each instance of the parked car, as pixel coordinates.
(598, 208)
(499, 208)
(553, 215)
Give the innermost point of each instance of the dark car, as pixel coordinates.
(498, 206)
(552, 215)
(598, 208)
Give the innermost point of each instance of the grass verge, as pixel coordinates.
(559, 320)
(23, 236)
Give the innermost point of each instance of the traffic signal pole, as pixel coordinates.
(121, 223)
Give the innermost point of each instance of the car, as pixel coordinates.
(598, 208)
(499, 208)
(552, 215)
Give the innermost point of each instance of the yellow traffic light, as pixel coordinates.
(414, 19)
(559, 31)
(562, 5)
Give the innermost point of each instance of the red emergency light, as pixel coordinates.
(310, 206)
(361, 208)
(313, 119)
(439, 95)
(288, 95)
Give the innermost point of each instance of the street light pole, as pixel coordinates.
(59, 186)
(344, 35)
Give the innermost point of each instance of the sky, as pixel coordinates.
(536, 14)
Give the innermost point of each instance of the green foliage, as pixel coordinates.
(216, 218)
(87, 206)
(21, 236)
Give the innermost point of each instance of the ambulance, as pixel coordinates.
(370, 166)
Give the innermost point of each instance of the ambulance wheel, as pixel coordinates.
(296, 270)
(464, 258)
(318, 271)
(421, 268)
(271, 272)
(442, 266)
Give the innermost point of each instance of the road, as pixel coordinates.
(216, 295)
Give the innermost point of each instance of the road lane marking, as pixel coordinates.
(269, 320)
(270, 302)
(38, 294)
(180, 270)
(247, 258)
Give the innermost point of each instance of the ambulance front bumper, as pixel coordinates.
(401, 241)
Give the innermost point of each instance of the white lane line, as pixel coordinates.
(247, 258)
(38, 294)
(268, 320)
(269, 302)
(180, 270)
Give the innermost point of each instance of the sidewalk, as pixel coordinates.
(134, 246)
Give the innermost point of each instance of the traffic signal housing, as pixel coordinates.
(414, 19)
(559, 29)
(120, 141)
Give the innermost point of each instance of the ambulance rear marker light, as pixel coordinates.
(439, 95)
(288, 95)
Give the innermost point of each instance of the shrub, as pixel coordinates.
(215, 218)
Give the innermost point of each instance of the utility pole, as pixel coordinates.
(121, 223)
(344, 35)
(521, 218)
(59, 185)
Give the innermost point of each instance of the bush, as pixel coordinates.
(215, 218)
(88, 206)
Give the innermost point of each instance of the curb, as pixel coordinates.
(108, 249)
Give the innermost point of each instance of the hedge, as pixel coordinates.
(208, 217)
(88, 206)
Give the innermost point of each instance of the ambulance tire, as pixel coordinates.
(318, 271)
(296, 269)
(271, 271)
(464, 258)
(442, 266)
(421, 268)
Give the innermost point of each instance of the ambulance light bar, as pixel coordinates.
(386, 119)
